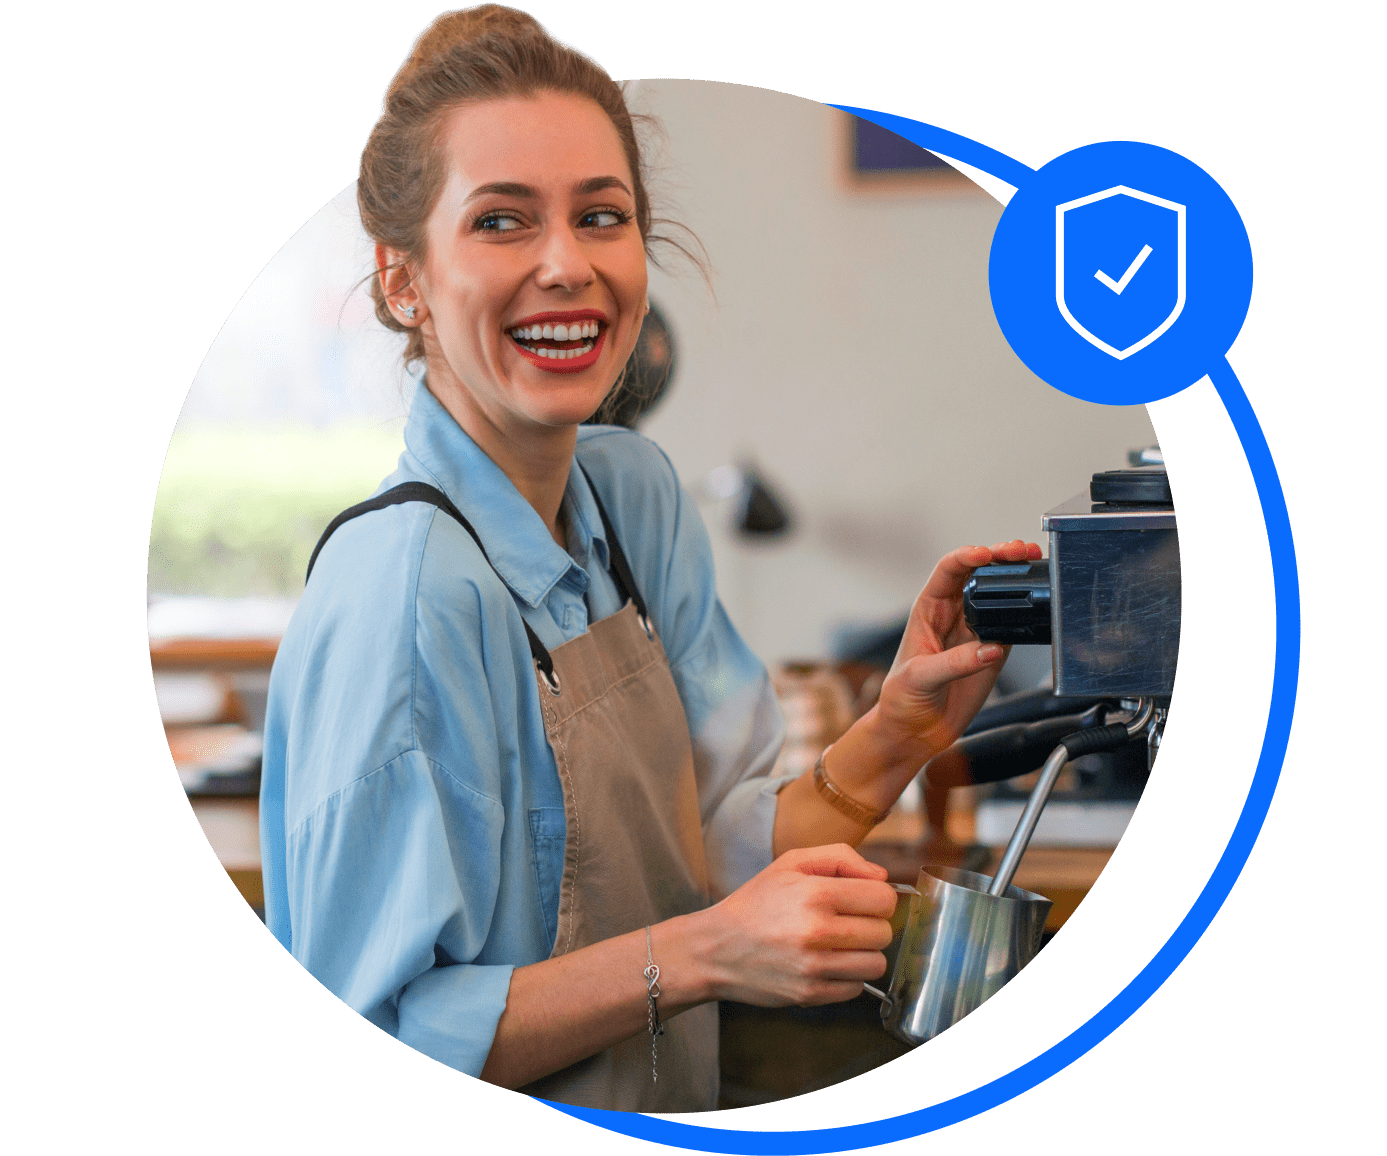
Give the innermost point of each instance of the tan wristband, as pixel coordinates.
(859, 813)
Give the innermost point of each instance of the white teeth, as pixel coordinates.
(586, 331)
(575, 332)
(564, 354)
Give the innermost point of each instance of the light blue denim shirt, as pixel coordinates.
(412, 824)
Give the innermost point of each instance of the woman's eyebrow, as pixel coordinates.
(503, 189)
(516, 189)
(597, 184)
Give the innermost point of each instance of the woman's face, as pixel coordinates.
(534, 283)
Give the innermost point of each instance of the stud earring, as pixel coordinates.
(409, 311)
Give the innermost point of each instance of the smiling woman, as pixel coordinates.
(517, 800)
(534, 230)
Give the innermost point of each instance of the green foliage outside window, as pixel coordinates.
(240, 509)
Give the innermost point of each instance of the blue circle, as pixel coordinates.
(1120, 273)
(1285, 679)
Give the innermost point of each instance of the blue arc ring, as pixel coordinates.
(1285, 678)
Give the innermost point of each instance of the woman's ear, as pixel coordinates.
(398, 284)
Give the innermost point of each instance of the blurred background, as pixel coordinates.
(847, 350)
(839, 401)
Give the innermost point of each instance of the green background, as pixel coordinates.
(160, 154)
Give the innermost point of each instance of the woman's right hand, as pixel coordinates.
(807, 930)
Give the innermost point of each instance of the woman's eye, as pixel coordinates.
(602, 219)
(496, 223)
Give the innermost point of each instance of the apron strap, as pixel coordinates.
(422, 492)
(621, 569)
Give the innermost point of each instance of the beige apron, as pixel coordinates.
(634, 849)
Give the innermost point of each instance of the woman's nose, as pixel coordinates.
(563, 263)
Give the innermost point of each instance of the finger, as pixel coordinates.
(834, 991)
(855, 897)
(926, 673)
(855, 933)
(952, 572)
(1016, 551)
(849, 965)
(833, 860)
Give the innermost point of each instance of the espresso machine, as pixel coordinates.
(1107, 602)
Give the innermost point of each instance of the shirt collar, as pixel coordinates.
(518, 543)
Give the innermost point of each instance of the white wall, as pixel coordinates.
(852, 352)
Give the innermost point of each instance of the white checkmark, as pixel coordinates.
(1118, 286)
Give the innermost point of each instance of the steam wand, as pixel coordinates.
(1084, 742)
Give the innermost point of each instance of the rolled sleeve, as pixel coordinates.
(391, 917)
(450, 1013)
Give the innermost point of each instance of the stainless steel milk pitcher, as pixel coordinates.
(955, 947)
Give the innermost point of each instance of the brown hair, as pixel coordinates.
(485, 53)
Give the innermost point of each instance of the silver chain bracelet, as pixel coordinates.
(652, 993)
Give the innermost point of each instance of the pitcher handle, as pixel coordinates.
(899, 918)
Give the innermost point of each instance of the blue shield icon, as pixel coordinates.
(1120, 268)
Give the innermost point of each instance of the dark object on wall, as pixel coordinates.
(755, 508)
(760, 512)
(877, 160)
(647, 378)
(879, 150)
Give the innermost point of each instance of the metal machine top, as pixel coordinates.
(1082, 513)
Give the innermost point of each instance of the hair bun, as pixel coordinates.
(479, 54)
(466, 26)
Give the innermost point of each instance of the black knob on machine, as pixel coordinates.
(1131, 487)
(1009, 603)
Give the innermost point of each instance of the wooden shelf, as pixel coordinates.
(213, 653)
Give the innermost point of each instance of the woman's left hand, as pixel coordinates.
(942, 674)
(940, 678)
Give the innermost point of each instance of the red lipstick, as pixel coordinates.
(551, 355)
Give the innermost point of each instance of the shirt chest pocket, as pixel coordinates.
(548, 830)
